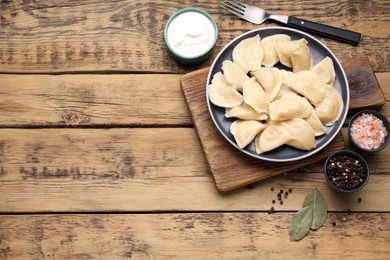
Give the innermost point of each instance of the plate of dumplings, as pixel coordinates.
(277, 94)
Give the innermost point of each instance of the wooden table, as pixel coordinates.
(99, 158)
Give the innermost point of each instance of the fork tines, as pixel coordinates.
(234, 7)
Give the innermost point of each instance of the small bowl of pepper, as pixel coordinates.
(368, 131)
(346, 171)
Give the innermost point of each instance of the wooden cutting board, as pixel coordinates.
(231, 168)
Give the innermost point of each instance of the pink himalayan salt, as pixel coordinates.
(368, 131)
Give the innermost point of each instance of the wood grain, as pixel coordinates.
(53, 36)
(100, 100)
(93, 120)
(191, 236)
(148, 170)
(365, 91)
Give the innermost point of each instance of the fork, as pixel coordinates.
(258, 15)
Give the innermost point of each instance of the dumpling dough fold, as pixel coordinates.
(234, 74)
(270, 79)
(255, 96)
(288, 107)
(273, 137)
(244, 111)
(303, 134)
(222, 94)
(248, 54)
(331, 107)
(244, 131)
(307, 84)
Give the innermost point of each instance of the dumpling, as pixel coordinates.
(222, 94)
(331, 107)
(255, 96)
(248, 54)
(288, 107)
(272, 137)
(234, 74)
(244, 111)
(301, 59)
(315, 123)
(284, 50)
(307, 84)
(325, 71)
(270, 79)
(244, 131)
(269, 47)
(303, 134)
(283, 91)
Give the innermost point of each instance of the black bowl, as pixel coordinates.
(385, 124)
(346, 171)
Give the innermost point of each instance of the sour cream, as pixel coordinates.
(191, 34)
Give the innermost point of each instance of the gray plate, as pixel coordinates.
(284, 153)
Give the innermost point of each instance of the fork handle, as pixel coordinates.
(325, 30)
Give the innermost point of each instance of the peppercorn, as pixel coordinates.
(290, 190)
(345, 172)
(359, 200)
(272, 188)
(281, 202)
(273, 201)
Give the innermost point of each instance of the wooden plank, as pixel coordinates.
(365, 91)
(53, 36)
(147, 169)
(191, 236)
(92, 100)
(85, 100)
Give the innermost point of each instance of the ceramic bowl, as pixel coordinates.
(346, 171)
(197, 57)
(365, 147)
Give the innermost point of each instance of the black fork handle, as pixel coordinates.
(325, 30)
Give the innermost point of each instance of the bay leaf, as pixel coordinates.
(319, 206)
(301, 223)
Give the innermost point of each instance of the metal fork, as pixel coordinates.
(258, 15)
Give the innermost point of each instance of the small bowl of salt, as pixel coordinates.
(368, 131)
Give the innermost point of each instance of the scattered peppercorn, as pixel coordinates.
(345, 172)
(272, 208)
(334, 223)
(359, 200)
(281, 193)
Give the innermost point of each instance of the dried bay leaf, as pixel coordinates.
(319, 206)
(301, 223)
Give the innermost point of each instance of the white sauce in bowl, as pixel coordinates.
(191, 34)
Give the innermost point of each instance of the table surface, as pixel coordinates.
(99, 157)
